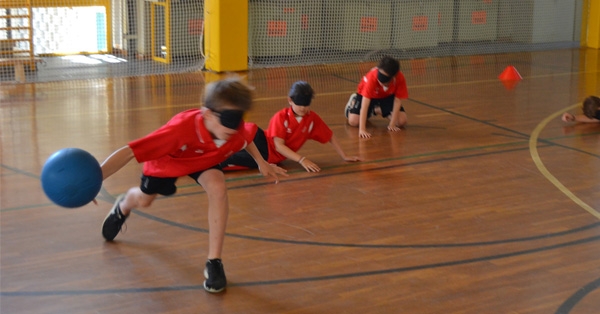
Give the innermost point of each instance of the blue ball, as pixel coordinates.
(71, 177)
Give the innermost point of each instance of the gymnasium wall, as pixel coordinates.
(155, 37)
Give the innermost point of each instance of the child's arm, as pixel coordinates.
(290, 154)
(362, 123)
(116, 161)
(336, 145)
(568, 117)
(264, 167)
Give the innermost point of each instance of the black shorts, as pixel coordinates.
(386, 105)
(244, 159)
(166, 186)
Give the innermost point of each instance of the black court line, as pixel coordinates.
(19, 171)
(375, 246)
(486, 122)
(105, 196)
(331, 244)
(542, 140)
(351, 168)
(570, 303)
(197, 229)
(304, 279)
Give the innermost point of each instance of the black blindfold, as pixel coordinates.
(230, 119)
(302, 100)
(383, 78)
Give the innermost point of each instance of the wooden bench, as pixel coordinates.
(19, 65)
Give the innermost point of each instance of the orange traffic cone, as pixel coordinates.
(510, 74)
(510, 77)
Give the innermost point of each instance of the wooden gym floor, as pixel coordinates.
(485, 203)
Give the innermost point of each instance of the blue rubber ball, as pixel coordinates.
(71, 177)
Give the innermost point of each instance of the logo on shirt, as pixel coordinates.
(286, 125)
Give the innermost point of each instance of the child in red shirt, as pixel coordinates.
(288, 130)
(192, 143)
(381, 91)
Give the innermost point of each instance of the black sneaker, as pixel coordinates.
(114, 220)
(350, 104)
(215, 276)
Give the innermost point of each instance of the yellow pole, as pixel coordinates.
(166, 7)
(226, 35)
(590, 30)
(591, 67)
(153, 29)
(168, 31)
(590, 38)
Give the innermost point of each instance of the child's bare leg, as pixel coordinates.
(353, 120)
(120, 211)
(213, 182)
(402, 119)
(135, 198)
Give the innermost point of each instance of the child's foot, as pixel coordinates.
(377, 111)
(215, 276)
(114, 220)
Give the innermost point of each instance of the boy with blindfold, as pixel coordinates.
(192, 143)
(288, 130)
(591, 112)
(380, 91)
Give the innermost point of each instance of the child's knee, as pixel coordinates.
(402, 119)
(144, 202)
(353, 120)
(213, 183)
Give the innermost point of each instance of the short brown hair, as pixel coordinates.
(390, 65)
(301, 93)
(228, 92)
(590, 107)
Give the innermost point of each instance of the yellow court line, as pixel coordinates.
(540, 165)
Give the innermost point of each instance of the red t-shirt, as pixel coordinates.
(284, 125)
(370, 87)
(183, 146)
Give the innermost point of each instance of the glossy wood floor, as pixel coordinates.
(485, 203)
